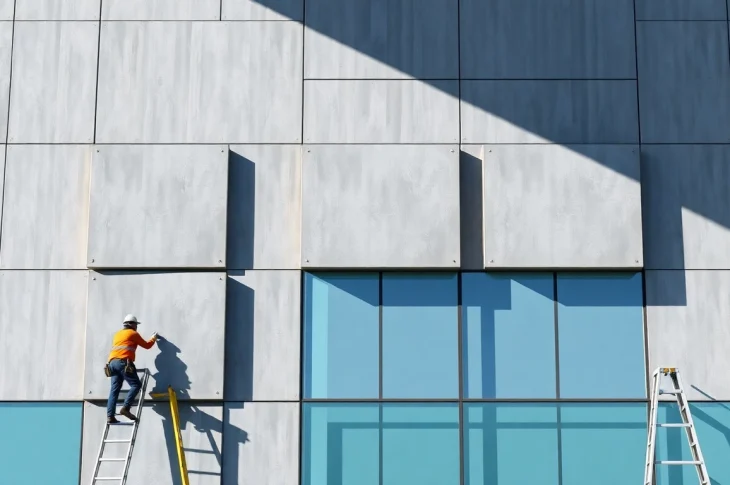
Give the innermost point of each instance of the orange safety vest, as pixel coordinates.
(125, 342)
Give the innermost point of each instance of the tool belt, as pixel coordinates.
(129, 368)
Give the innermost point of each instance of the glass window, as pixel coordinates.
(420, 336)
(341, 335)
(40, 443)
(601, 336)
(508, 335)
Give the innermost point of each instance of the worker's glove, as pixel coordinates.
(156, 336)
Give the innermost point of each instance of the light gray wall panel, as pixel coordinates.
(681, 10)
(686, 206)
(2, 186)
(549, 111)
(262, 336)
(200, 82)
(187, 309)
(54, 82)
(6, 44)
(684, 75)
(57, 10)
(258, 10)
(381, 112)
(42, 315)
(264, 207)
(6, 10)
(380, 206)
(158, 206)
(261, 443)
(529, 39)
(161, 9)
(687, 315)
(557, 206)
(46, 207)
(399, 40)
(155, 458)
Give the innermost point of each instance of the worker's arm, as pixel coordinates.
(146, 344)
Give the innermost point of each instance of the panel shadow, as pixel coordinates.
(241, 211)
(471, 210)
(239, 345)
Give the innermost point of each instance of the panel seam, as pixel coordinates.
(7, 124)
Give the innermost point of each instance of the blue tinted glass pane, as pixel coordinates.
(340, 444)
(341, 320)
(600, 321)
(420, 336)
(508, 332)
(603, 444)
(500, 440)
(421, 444)
(40, 443)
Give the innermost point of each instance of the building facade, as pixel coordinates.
(388, 242)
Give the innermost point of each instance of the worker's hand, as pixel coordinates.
(156, 336)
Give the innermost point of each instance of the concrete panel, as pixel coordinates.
(549, 112)
(264, 207)
(551, 206)
(687, 315)
(261, 443)
(683, 95)
(54, 82)
(681, 10)
(46, 207)
(262, 336)
(258, 10)
(6, 44)
(686, 206)
(380, 206)
(381, 112)
(187, 309)
(155, 457)
(2, 186)
(400, 40)
(529, 39)
(158, 206)
(57, 10)
(161, 10)
(200, 82)
(7, 8)
(43, 314)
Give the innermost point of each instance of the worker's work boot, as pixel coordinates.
(127, 414)
(112, 420)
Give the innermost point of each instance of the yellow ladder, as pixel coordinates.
(175, 413)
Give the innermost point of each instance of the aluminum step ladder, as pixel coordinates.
(687, 423)
(100, 458)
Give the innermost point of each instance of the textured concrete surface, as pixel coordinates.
(46, 207)
(261, 443)
(549, 112)
(6, 37)
(200, 82)
(266, 10)
(160, 9)
(529, 39)
(42, 315)
(550, 206)
(61, 111)
(262, 336)
(409, 39)
(2, 187)
(57, 9)
(158, 206)
(684, 74)
(381, 112)
(362, 205)
(155, 457)
(187, 309)
(7, 7)
(681, 10)
(264, 207)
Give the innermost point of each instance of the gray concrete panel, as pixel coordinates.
(46, 207)
(2, 187)
(155, 457)
(549, 112)
(57, 10)
(380, 206)
(54, 82)
(684, 72)
(262, 336)
(551, 206)
(686, 206)
(381, 112)
(399, 40)
(261, 443)
(681, 10)
(200, 82)
(529, 39)
(6, 44)
(161, 10)
(187, 309)
(42, 315)
(158, 206)
(264, 207)
(7, 8)
(258, 10)
(687, 315)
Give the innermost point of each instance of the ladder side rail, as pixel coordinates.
(692, 437)
(174, 411)
(140, 403)
(99, 454)
(651, 439)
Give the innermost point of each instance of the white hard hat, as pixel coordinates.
(131, 318)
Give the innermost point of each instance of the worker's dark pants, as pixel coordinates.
(118, 378)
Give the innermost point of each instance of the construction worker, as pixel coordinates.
(120, 367)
